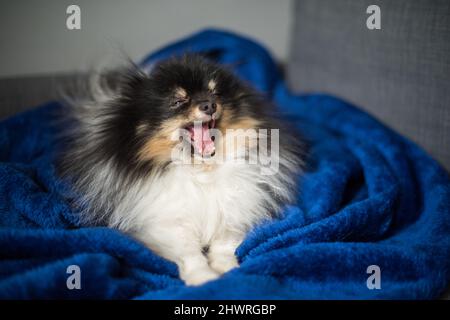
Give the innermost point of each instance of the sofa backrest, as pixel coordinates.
(399, 73)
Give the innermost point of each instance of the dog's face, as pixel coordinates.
(190, 94)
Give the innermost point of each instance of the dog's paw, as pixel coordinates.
(199, 277)
(223, 264)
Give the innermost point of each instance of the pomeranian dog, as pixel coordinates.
(186, 158)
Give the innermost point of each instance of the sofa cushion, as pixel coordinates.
(22, 93)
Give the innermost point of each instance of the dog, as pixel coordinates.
(176, 157)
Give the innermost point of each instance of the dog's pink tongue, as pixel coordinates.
(202, 139)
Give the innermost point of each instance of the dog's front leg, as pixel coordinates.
(221, 253)
(183, 247)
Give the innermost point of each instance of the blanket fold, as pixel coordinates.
(369, 197)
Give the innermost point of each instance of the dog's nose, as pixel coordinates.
(208, 107)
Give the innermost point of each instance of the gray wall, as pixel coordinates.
(34, 38)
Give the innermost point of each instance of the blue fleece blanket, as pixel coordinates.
(369, 198)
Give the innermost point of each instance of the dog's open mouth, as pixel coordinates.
(201, 138)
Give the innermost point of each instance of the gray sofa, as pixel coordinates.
(22, 93)
(400, 73)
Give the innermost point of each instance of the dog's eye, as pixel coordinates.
(179, 103)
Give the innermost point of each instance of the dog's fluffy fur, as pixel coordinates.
(122, 160)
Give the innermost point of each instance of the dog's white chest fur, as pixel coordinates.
(204, 199)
